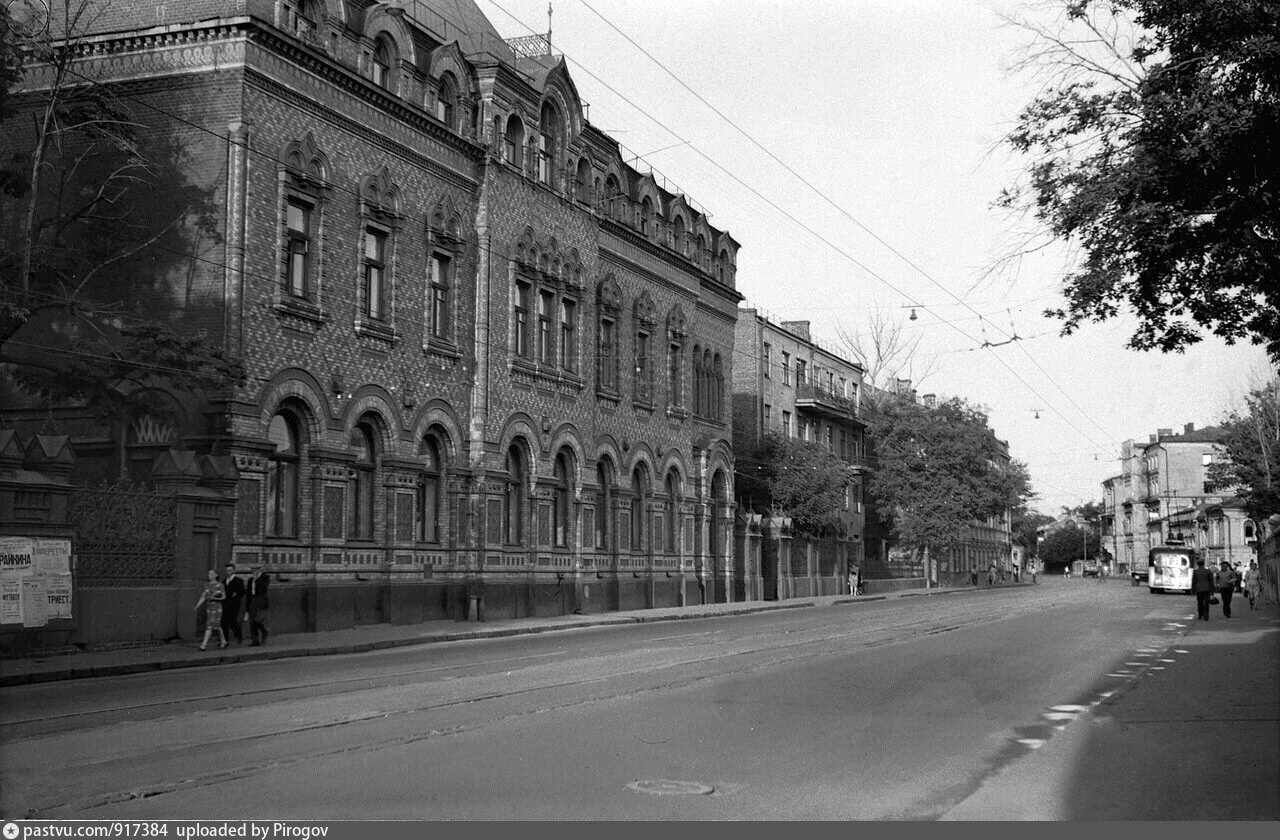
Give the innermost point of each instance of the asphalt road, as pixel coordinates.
(916, 708)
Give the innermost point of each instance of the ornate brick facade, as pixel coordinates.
(488, 360)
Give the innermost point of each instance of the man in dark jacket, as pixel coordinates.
(234, 584)
(255, 591)
(1202, 586)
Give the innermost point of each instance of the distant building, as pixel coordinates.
(786, 383)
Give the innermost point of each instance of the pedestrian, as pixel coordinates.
(1251, 582)
(973, 576)
(255, 594)
(853, 581)
(991, 575)
(211, 599)
(1226, 583)
(1202, 586)
(231, 615)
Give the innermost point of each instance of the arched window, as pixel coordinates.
(582, 183)
(447, 101)
(612, 195)
(513, 141)
(430, 492)
(548, 144)
(563, 495)
(717, 388)
(514, 499)
(646, 216)
(678, 233)
(301, 17)
(604, 503)
(673, 513)
(698, 379)
(363, 481)
(639, 505)
(701, 256)
(381, 63)
(722, 267)
(282, 477)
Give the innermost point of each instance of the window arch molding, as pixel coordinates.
(389, 32)
(304, 195)
(445, 251)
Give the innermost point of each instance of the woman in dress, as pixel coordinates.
(212, 596)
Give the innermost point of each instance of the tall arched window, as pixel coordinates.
(363, 481)
(639, 505)
(673, 513)
(604, 503)
(548, 144)
(381, 64)
(282, 477)
(646, 217)
(582, 183)
(717, 388)
(679, 236)
(612, 195)
(430, 492)
(699, 386)
(515, 497)
(563, 495)
(447, 101)
(513, 141)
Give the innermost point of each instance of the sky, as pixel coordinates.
(854, 150)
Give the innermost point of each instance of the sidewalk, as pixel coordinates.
(186, 654)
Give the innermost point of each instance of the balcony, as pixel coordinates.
(821, 401)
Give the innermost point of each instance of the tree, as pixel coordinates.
(1251, 444)
(938, 470)
(97, 219)
(1026, 527)
(1063, 546)
(784, 476)
(1155, 150)
(886, 353)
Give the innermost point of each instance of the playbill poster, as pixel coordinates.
(35, 580)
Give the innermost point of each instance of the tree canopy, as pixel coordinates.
(785, 476)
(1065, 545)
(100, 238)
(1156, 151)
(938, 470)
(1251, 445)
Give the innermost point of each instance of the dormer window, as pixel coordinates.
(548, 144)
(447, 102)
(646, 216)
(380, 64)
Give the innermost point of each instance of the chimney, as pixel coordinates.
(1189, 428)
(930, 401)
(1164, 433)
(1151, 438)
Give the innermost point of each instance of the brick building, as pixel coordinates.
(784, 382)
(487, 358)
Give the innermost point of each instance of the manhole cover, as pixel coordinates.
(670, 787)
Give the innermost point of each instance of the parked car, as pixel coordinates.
(1092, 569)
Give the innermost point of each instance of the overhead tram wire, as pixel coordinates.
(805, 227)
(716, 164)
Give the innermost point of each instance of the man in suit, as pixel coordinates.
(1202, 586)
(234, 584)
(255, 591)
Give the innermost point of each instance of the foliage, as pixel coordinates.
(1026, 527)
(99, 229)
(1160, 159)
(1063, 546)
(938, 470)
(1251, 443)
(785, 476)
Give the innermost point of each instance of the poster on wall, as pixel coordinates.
(51, 556)
(58, 593)
(15, 556)
(35, 580)
(35, 602)
(10, 600)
